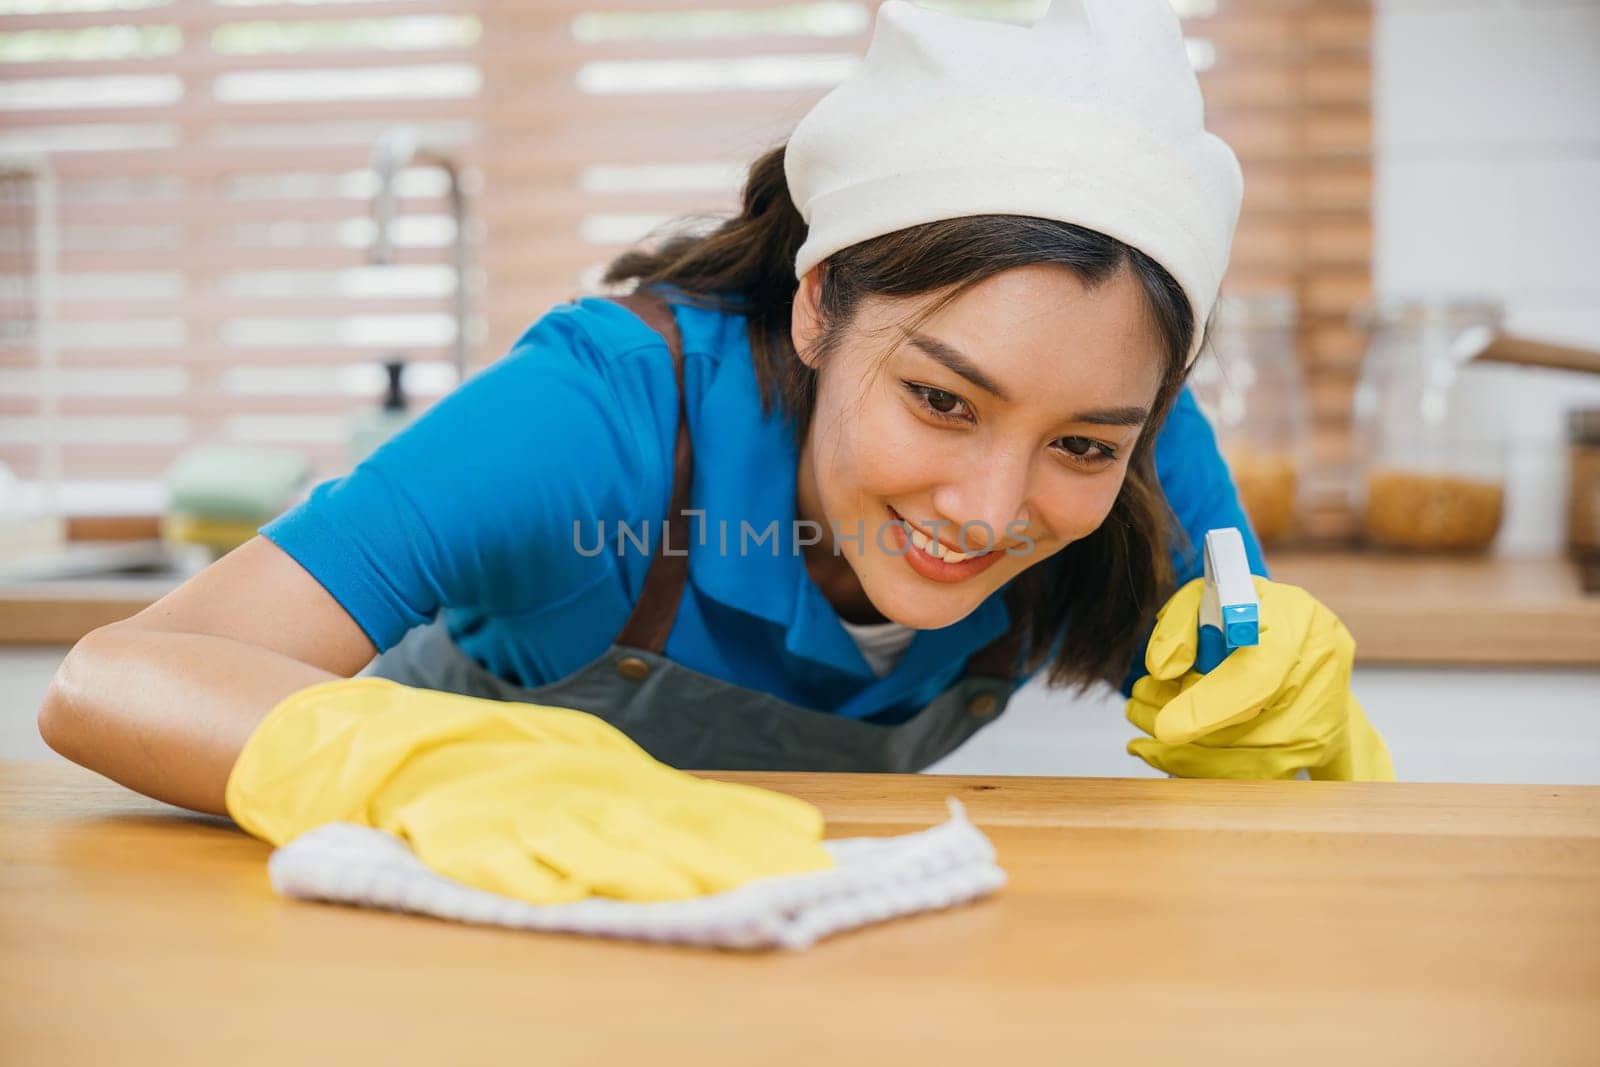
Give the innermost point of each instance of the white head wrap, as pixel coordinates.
(1091, 116)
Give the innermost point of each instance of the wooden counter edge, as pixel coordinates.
(1454, 610)
(1531, 613)
(29, 616)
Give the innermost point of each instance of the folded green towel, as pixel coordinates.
(235, 482)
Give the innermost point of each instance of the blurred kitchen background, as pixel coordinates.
(241, 242)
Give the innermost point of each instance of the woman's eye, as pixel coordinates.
(1087, 450)
(938, 402)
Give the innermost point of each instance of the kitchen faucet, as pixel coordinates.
(395, 150)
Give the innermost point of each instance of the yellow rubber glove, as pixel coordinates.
(544, 804)
(1265, 711)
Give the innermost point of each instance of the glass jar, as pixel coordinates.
(1250, 387)
(1427, 430)
(1583, 494)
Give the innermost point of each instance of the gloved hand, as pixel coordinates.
(544, 804)
(1265, 711)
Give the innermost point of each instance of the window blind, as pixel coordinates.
(212, 165)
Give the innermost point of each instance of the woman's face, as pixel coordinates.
(1000, 428)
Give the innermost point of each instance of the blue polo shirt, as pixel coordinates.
(491, 508)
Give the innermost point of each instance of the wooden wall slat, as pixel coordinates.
(202, 351)
(205, 15)
(206, 63)
(234, 211)
(201, 402)
(228, 115)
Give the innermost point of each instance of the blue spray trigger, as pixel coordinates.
(1229, 605)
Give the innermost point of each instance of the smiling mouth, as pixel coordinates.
(936, 549)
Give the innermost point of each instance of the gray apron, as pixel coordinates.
(692, 720)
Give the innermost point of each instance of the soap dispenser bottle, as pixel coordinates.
(373, 428)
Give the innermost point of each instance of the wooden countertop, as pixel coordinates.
(60, 612)
(1457, 610)
(1145, 921)
(1401, 609)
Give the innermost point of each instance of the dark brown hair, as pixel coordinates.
(1093, 601)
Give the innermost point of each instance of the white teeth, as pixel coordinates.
(937, 549)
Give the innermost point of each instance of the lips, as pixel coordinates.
(924, 541)
(932, 567)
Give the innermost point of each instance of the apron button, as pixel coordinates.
(983, 705)
(633, 668)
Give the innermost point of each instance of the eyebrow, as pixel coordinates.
(954, 361)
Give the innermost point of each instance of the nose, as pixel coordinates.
(990, 494)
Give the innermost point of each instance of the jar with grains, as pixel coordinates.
(1250, 386)
(1427, 430)
(1583, 494)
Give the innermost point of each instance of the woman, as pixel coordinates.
(820, 494)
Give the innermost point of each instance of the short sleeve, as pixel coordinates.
(485, 500)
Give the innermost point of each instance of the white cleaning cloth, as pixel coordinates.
(876, 878)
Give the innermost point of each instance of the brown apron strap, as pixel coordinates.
(652, 617)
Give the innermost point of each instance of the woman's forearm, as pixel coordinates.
(166, 713)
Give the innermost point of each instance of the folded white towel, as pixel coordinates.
(876, 878)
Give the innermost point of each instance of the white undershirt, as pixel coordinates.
(881, 643)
